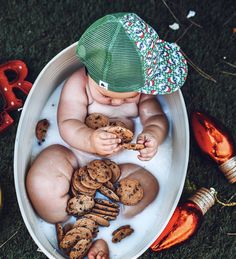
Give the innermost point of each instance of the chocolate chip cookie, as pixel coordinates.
(109, 185)
(106, 203)
(100, 220)
(133, 146)
(105, 212)
(130, 191)
(124, 134)
(87, 181)
(107, 217)
(73, 236)
(80, 205)
(96, 121)
(121, 233)
(87, 223)
(106, 208)
(41, 130)
(117, 123)
(60, 232)
(73, 191)
(114, 168)
(80, 249)
(78, 186)
(109, 193)
(98, 170)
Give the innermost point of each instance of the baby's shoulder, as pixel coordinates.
(78, 78)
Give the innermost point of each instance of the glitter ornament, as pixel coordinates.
(186, 220)
(214, 140)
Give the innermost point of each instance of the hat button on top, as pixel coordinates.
(82, 51)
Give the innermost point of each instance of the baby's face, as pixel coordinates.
(104, 96)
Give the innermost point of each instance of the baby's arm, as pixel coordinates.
(155, 126)
(72, 112)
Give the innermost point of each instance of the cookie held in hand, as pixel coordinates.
(122, 133)
(133, 146)
(117, 123)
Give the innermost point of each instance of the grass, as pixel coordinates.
(35, 31)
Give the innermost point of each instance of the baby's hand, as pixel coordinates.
(104, 143)
(151, 146)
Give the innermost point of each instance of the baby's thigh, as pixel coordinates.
(48, 182)
(148, 182)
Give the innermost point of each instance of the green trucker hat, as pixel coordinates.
(122, 53)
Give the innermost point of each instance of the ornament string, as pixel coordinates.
(230, 204)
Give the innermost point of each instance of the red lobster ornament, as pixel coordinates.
(11, 102)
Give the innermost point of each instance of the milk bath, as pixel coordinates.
(159, 166)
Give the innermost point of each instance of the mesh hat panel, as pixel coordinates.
(111, 56)
(92, 50)
(124, 71)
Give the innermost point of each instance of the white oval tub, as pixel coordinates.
(59, 68)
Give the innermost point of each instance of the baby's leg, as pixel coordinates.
(99, 250)
(48, 182)
(148, 182)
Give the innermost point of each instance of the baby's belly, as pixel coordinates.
(123, 113)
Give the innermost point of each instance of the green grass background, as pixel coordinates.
(35, 31)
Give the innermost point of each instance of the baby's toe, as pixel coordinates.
(98, 250)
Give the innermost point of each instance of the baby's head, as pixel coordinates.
(105, 96)
(125, 55)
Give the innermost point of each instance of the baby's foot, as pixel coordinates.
(99, 250)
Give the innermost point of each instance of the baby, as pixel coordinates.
(126, 65)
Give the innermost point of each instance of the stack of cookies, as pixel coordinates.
(98, 175)
(101, 176)
(77, 240)
(103, 211)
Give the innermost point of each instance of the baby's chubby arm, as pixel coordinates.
(155, 126)
(72, 111)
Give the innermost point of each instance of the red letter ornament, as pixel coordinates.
(11, 102)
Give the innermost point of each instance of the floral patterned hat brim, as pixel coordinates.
(164, 67)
